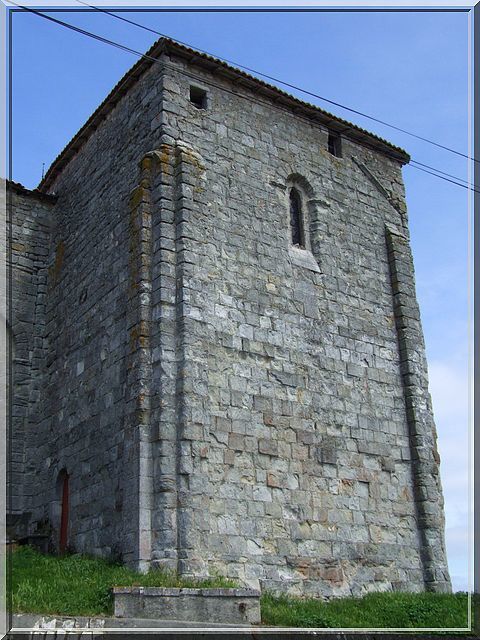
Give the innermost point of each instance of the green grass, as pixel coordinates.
(375, 610)
(81, 585)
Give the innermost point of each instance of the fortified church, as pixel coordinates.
(217, 358)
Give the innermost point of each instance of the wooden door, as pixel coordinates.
(64, 517)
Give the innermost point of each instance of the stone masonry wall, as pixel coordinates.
(295, 439)
(29, 217)
(223, 401)
(93, 403)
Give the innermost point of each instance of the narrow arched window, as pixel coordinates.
(296, 219)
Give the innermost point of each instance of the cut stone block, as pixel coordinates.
(230, 606)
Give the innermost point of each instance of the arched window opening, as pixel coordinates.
(63, 489)
(296, 219)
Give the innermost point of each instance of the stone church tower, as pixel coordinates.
(218, 359)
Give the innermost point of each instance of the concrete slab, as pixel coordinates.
(223, 606)
(31, 621)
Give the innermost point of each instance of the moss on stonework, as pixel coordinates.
(54, 270)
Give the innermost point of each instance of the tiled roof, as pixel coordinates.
(216, 66)
(36, 193)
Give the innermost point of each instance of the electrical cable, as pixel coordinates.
(205, 81)
(465, 186)
(422, 164)
(287, 84)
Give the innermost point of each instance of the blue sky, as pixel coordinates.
(409, 69)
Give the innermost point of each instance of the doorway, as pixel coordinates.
(63, 485)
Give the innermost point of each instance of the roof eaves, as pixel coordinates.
(216, 66)
(380, 143)
(19, 188)
(119, 90)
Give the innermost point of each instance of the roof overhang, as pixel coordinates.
(217, 67)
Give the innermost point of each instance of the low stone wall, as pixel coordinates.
(37, 622)
(229, 606)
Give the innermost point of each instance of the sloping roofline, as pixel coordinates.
(16, 187)
(216, 66)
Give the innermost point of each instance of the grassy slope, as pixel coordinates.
(375, 610)
(79, 585)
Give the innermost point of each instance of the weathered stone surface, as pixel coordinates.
(38, 623)
(29, 216)
(220, 404)
(229, 606)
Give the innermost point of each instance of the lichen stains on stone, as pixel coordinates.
(189, 156)
(55, 269)
(139, 334)
(138, 195)
(164, 158)
(257, 388)
(146, 163)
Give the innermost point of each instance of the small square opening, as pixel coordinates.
(198, 97)
(334, 144)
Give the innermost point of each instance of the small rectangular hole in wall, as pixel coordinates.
(198, 97)
(334, 144)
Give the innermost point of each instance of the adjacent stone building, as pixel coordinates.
(218, 359)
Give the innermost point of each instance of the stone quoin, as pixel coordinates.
(218, 362)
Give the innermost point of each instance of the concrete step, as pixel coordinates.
(30, 626)
(29, 621)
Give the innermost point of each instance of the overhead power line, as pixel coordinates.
(465, 186)
(285, 83)
(444, 173)
(456, 180)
